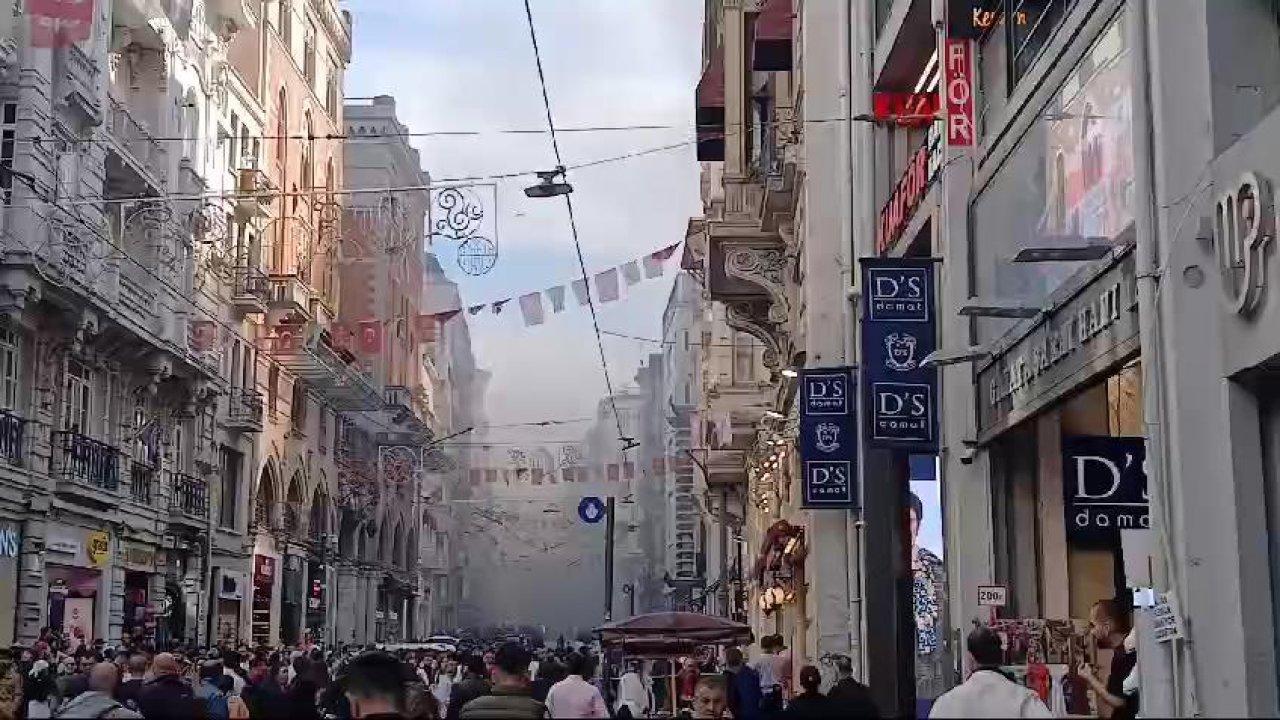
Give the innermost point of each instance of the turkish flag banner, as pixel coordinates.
(369, 337)
(60, 23)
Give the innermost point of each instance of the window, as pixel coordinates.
(282, 125)
(230, 466)
(333, 92)
(308, 155)
(744, 356)
(10, 368)
(285, 26)
(273, 390)
(298, 407)
(324, 431)
(8, 134)
(181, 447)
(77, 398)
(309, 56)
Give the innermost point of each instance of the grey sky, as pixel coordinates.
(468, 65)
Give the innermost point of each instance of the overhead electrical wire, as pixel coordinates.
(573, 224)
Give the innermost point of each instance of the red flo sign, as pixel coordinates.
(959, 92)
(904, 108)
(911, 189)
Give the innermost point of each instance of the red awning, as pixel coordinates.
(709, 110)
(711, 85)
(771, 50)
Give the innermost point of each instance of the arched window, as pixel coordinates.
(190, 128)
(319, 520)
(293, 506)
(264, 502)
(308, 155)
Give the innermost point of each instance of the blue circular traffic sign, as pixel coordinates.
(591, 509)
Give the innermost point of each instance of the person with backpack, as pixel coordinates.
(98, 701)
(209, 691)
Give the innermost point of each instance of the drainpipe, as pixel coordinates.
(1161, 671)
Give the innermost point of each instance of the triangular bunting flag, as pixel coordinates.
(531, 309)
(580, 292)
(556, 296)
(652, 267)
(497, 307)
(631, 273)
(607, 285)
(666, 252)
(475, 309)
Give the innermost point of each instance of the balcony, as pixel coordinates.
(302, 351)
(244, 412)
(251, 290)
(289, 298)
(135, 146)
(227, 17)
(188, 501)
(86, 469)
(135, 300)
(142, 483)
(253, 189)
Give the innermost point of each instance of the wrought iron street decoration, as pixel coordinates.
(460, 218)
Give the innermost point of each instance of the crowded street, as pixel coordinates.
(750, 359)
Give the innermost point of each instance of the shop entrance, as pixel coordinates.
(72, 606)
(136, 607)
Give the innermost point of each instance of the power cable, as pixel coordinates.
(573, 223)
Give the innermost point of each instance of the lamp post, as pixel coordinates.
(629, 590)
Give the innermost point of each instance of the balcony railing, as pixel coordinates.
(12, 429)
(134, 138)
(188, 495)
(244, 411)
(85, 460)
(142, 483)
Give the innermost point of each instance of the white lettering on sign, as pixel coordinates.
(993, 596)
(10, 542)
(959, 85)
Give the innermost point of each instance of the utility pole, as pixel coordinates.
(608, 559)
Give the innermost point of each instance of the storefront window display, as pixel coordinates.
(1067, 183)
(73, 595)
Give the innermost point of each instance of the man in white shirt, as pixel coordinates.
(770, 685)
(634, 695)
(988, 693)
(574, 697)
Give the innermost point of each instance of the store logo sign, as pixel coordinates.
(828, 438)
(826, 394)
(1104, 485)
(1244, 224)
(898, 331)
(10, 542)
(959, 92)
(99, 548)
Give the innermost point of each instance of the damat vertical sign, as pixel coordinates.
(899, 329)
(829, 437)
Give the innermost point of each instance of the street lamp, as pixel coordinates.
(548, 187)
(630, 591)
(940, 358)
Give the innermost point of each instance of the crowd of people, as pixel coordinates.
(50, 679)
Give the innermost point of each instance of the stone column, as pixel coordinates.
(31, 603)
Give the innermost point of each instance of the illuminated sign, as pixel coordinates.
(973, 19)
(958, 85)
(904, 108)
(912, 187)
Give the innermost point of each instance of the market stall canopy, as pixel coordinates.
(666, 631)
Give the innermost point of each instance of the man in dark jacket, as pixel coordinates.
(166, 695)
(510, 697)
(474, 683)
(374, 684)
(743, 684)
(129, 690)
(848, 697)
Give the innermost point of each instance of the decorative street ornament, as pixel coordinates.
(1244, 223)
(460, 219)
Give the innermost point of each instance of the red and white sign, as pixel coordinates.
(911, 189)
(958, 86)
(60, 23)
(905, 109)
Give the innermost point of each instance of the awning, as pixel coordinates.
(709, 113)
(771, 50)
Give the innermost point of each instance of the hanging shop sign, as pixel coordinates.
(905, 109)
(138, 557)
(993, 595)
(1081, 338)
(1104, 485)
(829, 437)
(958, 86)
(98, 548)
(899, 329)
(10, 541)
(914, 184)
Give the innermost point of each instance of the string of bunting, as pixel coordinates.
(365, 337)
(608, 472)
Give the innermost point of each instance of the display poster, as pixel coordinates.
(77, 621)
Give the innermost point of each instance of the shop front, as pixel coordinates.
(76, 598)
(264, 578)
(139, 619)
(317, 600)
(293, 593)
(228, 598)
(1060, 426)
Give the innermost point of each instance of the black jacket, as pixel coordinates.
(169, 697)
(809, 706)
(464, 692)
(853, 699)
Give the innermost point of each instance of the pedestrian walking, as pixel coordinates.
(443, 684)
(850, 698)
(743, 684)
(574, 697)
(766, 668)
(374, 683)
(167, 696)
(209, 691)
(134, 679)
(509, 698)
(635, 700)
(988, 692)
(810, 704)
(474, 683)
(98, 699)
(710, 698)
(1110, 622)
